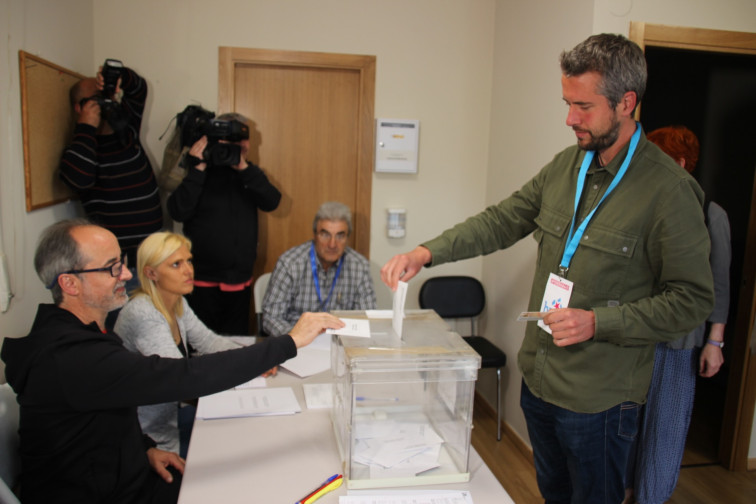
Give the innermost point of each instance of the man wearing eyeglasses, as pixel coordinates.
(322, 274)
(78, 386)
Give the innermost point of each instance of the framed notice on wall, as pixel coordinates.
(47, 127)
(396, 145)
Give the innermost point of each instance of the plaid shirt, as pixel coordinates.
(291, 290)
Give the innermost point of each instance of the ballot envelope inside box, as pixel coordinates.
(402, 407)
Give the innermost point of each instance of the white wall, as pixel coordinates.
(482, 77)
(527, 129)
(434, 61)
(60, 32)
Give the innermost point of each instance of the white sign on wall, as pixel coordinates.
(396, 145)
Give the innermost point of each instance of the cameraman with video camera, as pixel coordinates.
(105, 163)
(218, 201)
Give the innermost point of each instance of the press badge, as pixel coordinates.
(557, 295)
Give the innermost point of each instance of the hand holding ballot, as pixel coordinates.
(310, 325)
(405, 266)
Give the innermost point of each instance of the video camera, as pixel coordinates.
(196, 122)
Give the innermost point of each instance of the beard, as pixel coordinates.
(599, 141)
(114, 300)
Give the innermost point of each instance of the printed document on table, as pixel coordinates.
(248, 402)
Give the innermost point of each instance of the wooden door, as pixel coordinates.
(312, 133)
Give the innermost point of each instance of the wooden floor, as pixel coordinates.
(702, 480)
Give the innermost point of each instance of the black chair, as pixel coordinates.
(464, 297)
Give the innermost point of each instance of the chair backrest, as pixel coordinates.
(10, 461)
(261, 285)
(453, 296)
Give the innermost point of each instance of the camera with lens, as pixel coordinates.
(196, 122)
(110, 111)
(111, 72)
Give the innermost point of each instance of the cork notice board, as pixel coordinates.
(47, 127)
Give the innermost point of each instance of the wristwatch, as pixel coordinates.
(720, 344)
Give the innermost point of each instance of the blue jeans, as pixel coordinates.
(580, 458)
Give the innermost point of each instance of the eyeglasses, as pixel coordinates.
(325, 236)
(114, 269)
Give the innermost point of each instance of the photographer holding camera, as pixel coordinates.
(105, 163)
(218, 201)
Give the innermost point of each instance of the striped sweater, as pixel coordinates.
(113, 176)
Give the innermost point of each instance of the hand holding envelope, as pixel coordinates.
(568, 326)
(527, 316)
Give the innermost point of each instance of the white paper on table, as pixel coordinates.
(256, 382)
(318, 395)
(249, 402)
(380, 496)
(353, 327)
(400, 296)
(311, 359)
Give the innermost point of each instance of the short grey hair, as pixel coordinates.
(618, 60)
(333, 211)
(57, 251)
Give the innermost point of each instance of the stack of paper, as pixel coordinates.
(248, 402)
(256, 382)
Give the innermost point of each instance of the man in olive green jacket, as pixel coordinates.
(620, 231)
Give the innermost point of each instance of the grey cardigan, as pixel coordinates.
(143, 329)
(721, 254)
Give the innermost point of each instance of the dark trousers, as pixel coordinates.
(186, 415)
(158, 491)
(223, 312)
(580, 458)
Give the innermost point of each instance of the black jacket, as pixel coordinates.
(218, 207)
(78, 390)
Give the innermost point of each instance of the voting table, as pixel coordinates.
(284, 457)
(279, 459)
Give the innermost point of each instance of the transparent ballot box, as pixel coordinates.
(402, 407)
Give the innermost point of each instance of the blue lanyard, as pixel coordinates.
(573, 240)
(314, 265)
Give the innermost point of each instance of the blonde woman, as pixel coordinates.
(158, 321)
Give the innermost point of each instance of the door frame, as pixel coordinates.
(230, 57)
(741, 397)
